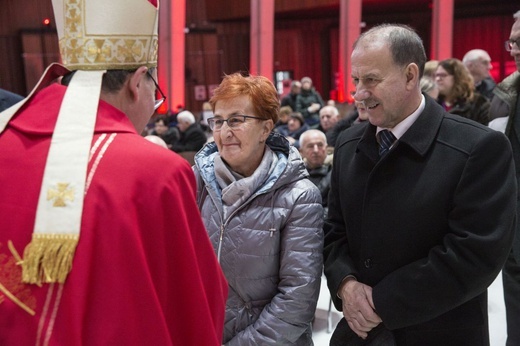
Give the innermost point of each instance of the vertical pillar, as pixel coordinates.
(349, 30)
(442, 30)
(172, 22)
(262, 36)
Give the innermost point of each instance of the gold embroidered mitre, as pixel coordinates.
(107, 34)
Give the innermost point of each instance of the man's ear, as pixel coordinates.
(136, 82)
(412, 75)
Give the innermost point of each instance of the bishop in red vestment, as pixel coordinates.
(138, 267)
(144, 272)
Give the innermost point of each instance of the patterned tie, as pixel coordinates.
(386, 139)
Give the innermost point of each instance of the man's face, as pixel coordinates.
(480, 68)
(328, 118)
(381, 86)
(314, 149)
(295, 89)
(293, 124)
(515, 35)
(160, 127)
(182, 125)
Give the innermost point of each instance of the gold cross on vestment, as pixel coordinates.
(60, 194)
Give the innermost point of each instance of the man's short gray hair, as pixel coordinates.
(334, 110)
(303, 136)
(474, 55)
(186, 116)
(296, 83)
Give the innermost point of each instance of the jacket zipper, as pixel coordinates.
(222, 222)
(220, 242)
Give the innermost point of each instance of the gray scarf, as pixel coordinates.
(236, 189)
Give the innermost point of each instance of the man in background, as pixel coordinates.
(505, 106)
(329, 116)
(192, 136)
(290, 98)
(309, 102)
(101, 242)
(478, 62)
(313, 148)
(170, 135)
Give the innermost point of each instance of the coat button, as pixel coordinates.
(368, 263)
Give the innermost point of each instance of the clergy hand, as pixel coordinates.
(358, 307)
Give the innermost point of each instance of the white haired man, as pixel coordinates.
(192, 137)
(478, 62)
(329, 116)
(313, 148)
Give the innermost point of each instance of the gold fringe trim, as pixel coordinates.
(48, 258)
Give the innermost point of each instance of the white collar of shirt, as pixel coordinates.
(399, 129)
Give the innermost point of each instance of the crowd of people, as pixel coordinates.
(105, 231)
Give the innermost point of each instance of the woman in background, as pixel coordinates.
(457, 92)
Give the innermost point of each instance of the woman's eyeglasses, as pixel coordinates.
(233, 122)
(442, 75)
(158, 102)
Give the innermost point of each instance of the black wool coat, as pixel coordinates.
(428, 226)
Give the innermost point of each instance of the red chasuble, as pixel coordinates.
(144, 272)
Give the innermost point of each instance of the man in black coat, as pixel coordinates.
(421, 207)
(309, 102)
(478, 63)
(192, 137)
(313, 148)
(506, 107)
(290, 98)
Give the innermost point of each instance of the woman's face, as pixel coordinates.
(444, 81)
(242, 147)
(293, 124)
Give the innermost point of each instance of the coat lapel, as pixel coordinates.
(419, 137)
(422, 134)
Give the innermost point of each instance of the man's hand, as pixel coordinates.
(358, 307)
(314, 107)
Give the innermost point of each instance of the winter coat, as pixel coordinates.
(486, 86)
(270, 250)
(170, 137)
(477, 109)
(411, 224)
(504, 104)
(192, 139)
(321, 178)
(304, 100)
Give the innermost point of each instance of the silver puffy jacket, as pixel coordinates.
(270, 250)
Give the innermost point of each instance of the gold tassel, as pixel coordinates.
(48, 258)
